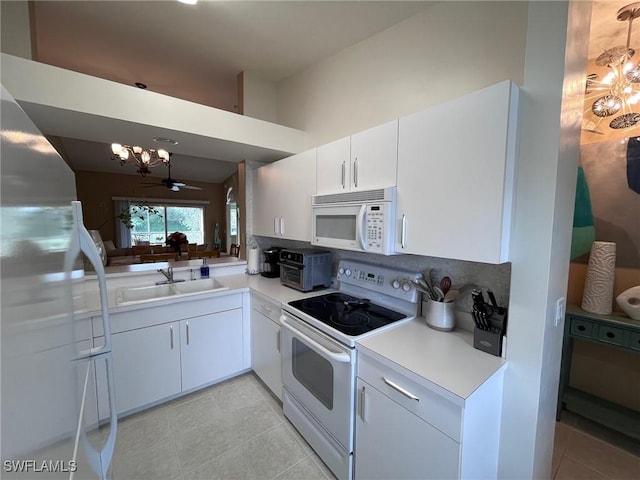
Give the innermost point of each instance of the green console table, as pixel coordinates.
(608, 330)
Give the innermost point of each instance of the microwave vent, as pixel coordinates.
(379, 195)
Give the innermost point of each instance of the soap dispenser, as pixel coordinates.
(204, 269)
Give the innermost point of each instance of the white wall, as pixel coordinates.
(405, 69)
(550, 119)
(14, 30)
(259, 97)
(450, 49)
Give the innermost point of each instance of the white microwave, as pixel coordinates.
(363, 221)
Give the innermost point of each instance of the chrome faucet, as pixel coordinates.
(168, 274)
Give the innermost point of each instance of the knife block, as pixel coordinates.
(491, 341)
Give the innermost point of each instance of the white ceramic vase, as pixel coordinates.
(629, 302)
(598, 286)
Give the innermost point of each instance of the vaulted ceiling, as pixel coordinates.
(196, 52)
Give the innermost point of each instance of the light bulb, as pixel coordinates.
(116, 148)
(146, 156)
(163, 154)
(137, 150)
(124, 154)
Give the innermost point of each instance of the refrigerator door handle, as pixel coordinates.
(99, 460)
(81, 242)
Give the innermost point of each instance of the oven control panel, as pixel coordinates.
(392, 282)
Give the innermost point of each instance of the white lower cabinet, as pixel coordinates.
(408, 429)
(392, 442)
(146, 365)
(159, 352)
(265, 342)
(211, 348)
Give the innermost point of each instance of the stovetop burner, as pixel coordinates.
(350, 315)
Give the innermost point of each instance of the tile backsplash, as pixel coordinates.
(482, 275)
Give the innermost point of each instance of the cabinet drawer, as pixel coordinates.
(428, 405)
(634, 340)
(267, 307)
(581, 328)
(610, 335)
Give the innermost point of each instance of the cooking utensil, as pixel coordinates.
(438, 293)
(425, 287)
(420, 287)
(451, 295)
(445, 284)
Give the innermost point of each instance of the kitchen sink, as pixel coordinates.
(152, 292)
(198, 286)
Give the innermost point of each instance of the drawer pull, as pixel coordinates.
(266, 308)
(401, 390)
(611, 335)
(582, 328)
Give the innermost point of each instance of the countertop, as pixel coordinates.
(438, 359)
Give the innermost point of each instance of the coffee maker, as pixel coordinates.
(271, 267)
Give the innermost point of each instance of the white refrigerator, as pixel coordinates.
(49, 423)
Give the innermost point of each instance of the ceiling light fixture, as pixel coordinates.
(619, 90)
(189, 2)
(142, 158)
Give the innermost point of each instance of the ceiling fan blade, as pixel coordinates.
(179, 184)
(190, 187)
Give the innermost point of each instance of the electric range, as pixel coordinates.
(319, 334)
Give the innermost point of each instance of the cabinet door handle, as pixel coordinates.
(187, 333)
(355, 173)
(278, 341)
(281, 225)
(344, 166)
(403, 231)
(275, 225)
(363, 405)
(404, 392)
(171, 332)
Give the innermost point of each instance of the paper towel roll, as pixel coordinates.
(253, 261)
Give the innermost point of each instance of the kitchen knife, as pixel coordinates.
(492, 297)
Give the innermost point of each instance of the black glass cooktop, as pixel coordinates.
(350, 315)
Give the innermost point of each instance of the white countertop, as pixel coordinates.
(444, 359)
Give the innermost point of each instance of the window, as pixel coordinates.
(152, 223)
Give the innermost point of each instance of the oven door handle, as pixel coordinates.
(338, 357)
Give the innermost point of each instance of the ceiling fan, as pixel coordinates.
(171, 183)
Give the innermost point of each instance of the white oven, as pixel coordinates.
(361, 221)
(319, 334)
(318, 374)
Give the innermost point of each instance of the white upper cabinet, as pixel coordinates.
(374, 157)
(456, 177)
(282, 198)
(333, 167)
(364, 161)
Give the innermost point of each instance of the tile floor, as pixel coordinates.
(233, 430)
(236, 430)
(584, 450)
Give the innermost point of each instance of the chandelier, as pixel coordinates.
(142, 158)
(613, 98)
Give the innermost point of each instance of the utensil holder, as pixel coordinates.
(439, 315)
(490, 341)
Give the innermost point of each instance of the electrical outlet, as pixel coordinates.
(560, 310)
